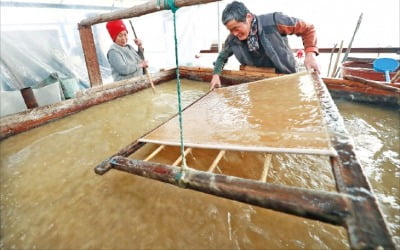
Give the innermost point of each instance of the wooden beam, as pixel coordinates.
(89, 51)
(139, 10)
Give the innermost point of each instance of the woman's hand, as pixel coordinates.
(139, 43)
(144, 64)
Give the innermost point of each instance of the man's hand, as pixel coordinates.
(215, 82)
(311, 62)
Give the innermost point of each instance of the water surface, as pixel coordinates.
(52, 199)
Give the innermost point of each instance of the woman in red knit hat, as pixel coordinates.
(124, 60)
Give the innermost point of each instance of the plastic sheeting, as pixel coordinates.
(11, 102)
(281, 114)
(48, 42)
(29, 56)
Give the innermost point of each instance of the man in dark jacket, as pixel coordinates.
(262, 41)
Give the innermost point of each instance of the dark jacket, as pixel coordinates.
(273, 29)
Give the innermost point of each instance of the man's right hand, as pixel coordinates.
(215, 82)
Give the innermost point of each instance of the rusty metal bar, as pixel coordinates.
(366, 227)
(378, 50)
(389, 50)
(317, 205)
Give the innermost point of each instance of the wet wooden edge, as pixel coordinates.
(23, 121)
(366, 226)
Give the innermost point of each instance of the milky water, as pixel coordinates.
(52, 199)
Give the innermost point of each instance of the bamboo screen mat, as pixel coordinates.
(280, 115)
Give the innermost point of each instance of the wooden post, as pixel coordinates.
(89, 51)
(29, 98)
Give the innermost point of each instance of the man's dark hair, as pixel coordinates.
(234, 11)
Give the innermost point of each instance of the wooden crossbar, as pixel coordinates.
(216, 161)
(154, 153)
(179, 160)
(267, 164)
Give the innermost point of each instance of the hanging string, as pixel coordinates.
(173, 8)
(178, 88)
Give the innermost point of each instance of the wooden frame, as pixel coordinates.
(353, 206)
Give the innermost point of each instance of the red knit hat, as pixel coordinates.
(115, 27)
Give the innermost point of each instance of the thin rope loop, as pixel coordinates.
(168, 4)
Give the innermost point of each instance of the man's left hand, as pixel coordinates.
(311, 62)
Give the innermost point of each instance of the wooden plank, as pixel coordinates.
(89, 51)
(139, 10)
(372, 83)
(267, 164)
(154, 153)
(216, 161)
(257, 69)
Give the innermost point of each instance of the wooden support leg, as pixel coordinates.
(215, 162)
(154, 153)
(179, 160)
(267, 164)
